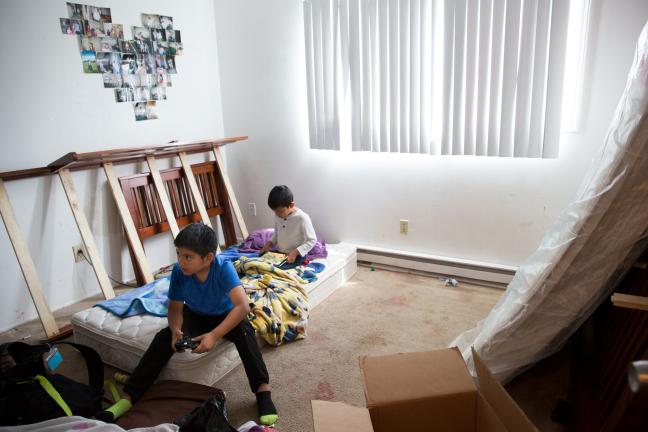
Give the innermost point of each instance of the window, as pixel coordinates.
(444, 77)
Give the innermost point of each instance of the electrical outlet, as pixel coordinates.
(79, 252)
(404, 226)
(252, 209)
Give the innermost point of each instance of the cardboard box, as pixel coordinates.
(421, 391)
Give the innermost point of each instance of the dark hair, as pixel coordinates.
(280, 196)
(197, 237)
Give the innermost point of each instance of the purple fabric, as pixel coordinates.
(258, 238)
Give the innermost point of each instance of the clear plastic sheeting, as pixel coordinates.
(586, 252)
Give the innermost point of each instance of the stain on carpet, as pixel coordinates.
(323, 391)
(397, 301)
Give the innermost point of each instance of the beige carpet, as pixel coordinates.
(377, 312)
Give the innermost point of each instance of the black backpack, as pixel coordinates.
(30, 394)
(211, 416)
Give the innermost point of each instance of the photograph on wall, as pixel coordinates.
(171, 65)
(75, 10)
(87, 12)
(114, 30)
(66, 29)
(160, 62)
(142, 94)
(130, 80)
(141, 33)
(177, 36)
(89, 60)
(105, 16)
(91, 13)
(161, 48)
(175, 48)
(112, 80)
(142, 46)
(90, 44)
(103, 61)
(127, 47)
(158, 35)
(109, 62)
(72, 27)
(149, 61)
(115, 62)
(170, 35)
(128, 65)
(94, 29)
(166, 22)
(145, 111)
(147, 80)
(146, 93)
(144, 78)
(158, 93)
(124, 95)
(77, 27)
(151, 20)
(137, 94)
(161, 78)
(109, 44)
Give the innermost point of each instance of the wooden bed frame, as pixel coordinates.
(147, 211)
(148, 204)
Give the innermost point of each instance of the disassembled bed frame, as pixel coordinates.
(148, 204)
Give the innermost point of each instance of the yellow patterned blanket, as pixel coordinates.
(278, 300)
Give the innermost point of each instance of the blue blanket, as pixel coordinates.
(151, 298)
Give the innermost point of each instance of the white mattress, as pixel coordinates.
(122, 342)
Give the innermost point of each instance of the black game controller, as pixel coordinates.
(186, 343)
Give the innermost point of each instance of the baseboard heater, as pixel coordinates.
(470, 271)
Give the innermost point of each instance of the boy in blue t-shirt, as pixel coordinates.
(207, 302)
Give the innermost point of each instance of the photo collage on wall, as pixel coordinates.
(139, 69)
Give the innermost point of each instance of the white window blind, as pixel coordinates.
(452, 77)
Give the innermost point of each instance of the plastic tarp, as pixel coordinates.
(584, 255)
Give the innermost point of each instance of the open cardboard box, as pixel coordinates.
(421, 391)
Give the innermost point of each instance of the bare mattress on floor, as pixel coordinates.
(122, 342)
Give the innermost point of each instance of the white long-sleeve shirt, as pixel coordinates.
(294, 232)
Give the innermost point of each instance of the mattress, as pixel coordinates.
(122, 342)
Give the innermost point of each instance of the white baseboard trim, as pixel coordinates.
(475, 271)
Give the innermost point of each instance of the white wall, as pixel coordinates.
(50, 107)
(485, 209)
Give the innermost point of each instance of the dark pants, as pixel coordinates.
(298, 261)
(159, 352)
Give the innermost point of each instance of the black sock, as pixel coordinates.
(264, 404)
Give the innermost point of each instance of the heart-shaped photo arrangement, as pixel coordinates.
(138, 69)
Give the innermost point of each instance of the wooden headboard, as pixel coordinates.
(145, 206)
(138, 205)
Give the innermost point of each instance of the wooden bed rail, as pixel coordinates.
(95, 159)
(164, 211)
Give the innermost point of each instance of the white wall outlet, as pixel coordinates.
(79, 252)
(404, 226)
(252, 208)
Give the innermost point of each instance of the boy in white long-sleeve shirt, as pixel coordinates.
(294, 234)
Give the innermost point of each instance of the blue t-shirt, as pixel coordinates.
(210, 297)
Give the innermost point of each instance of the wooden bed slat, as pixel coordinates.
(193, 187)
(86, 234)
(230, 192)
(131, 232)
(163, 196)
(26, 264)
